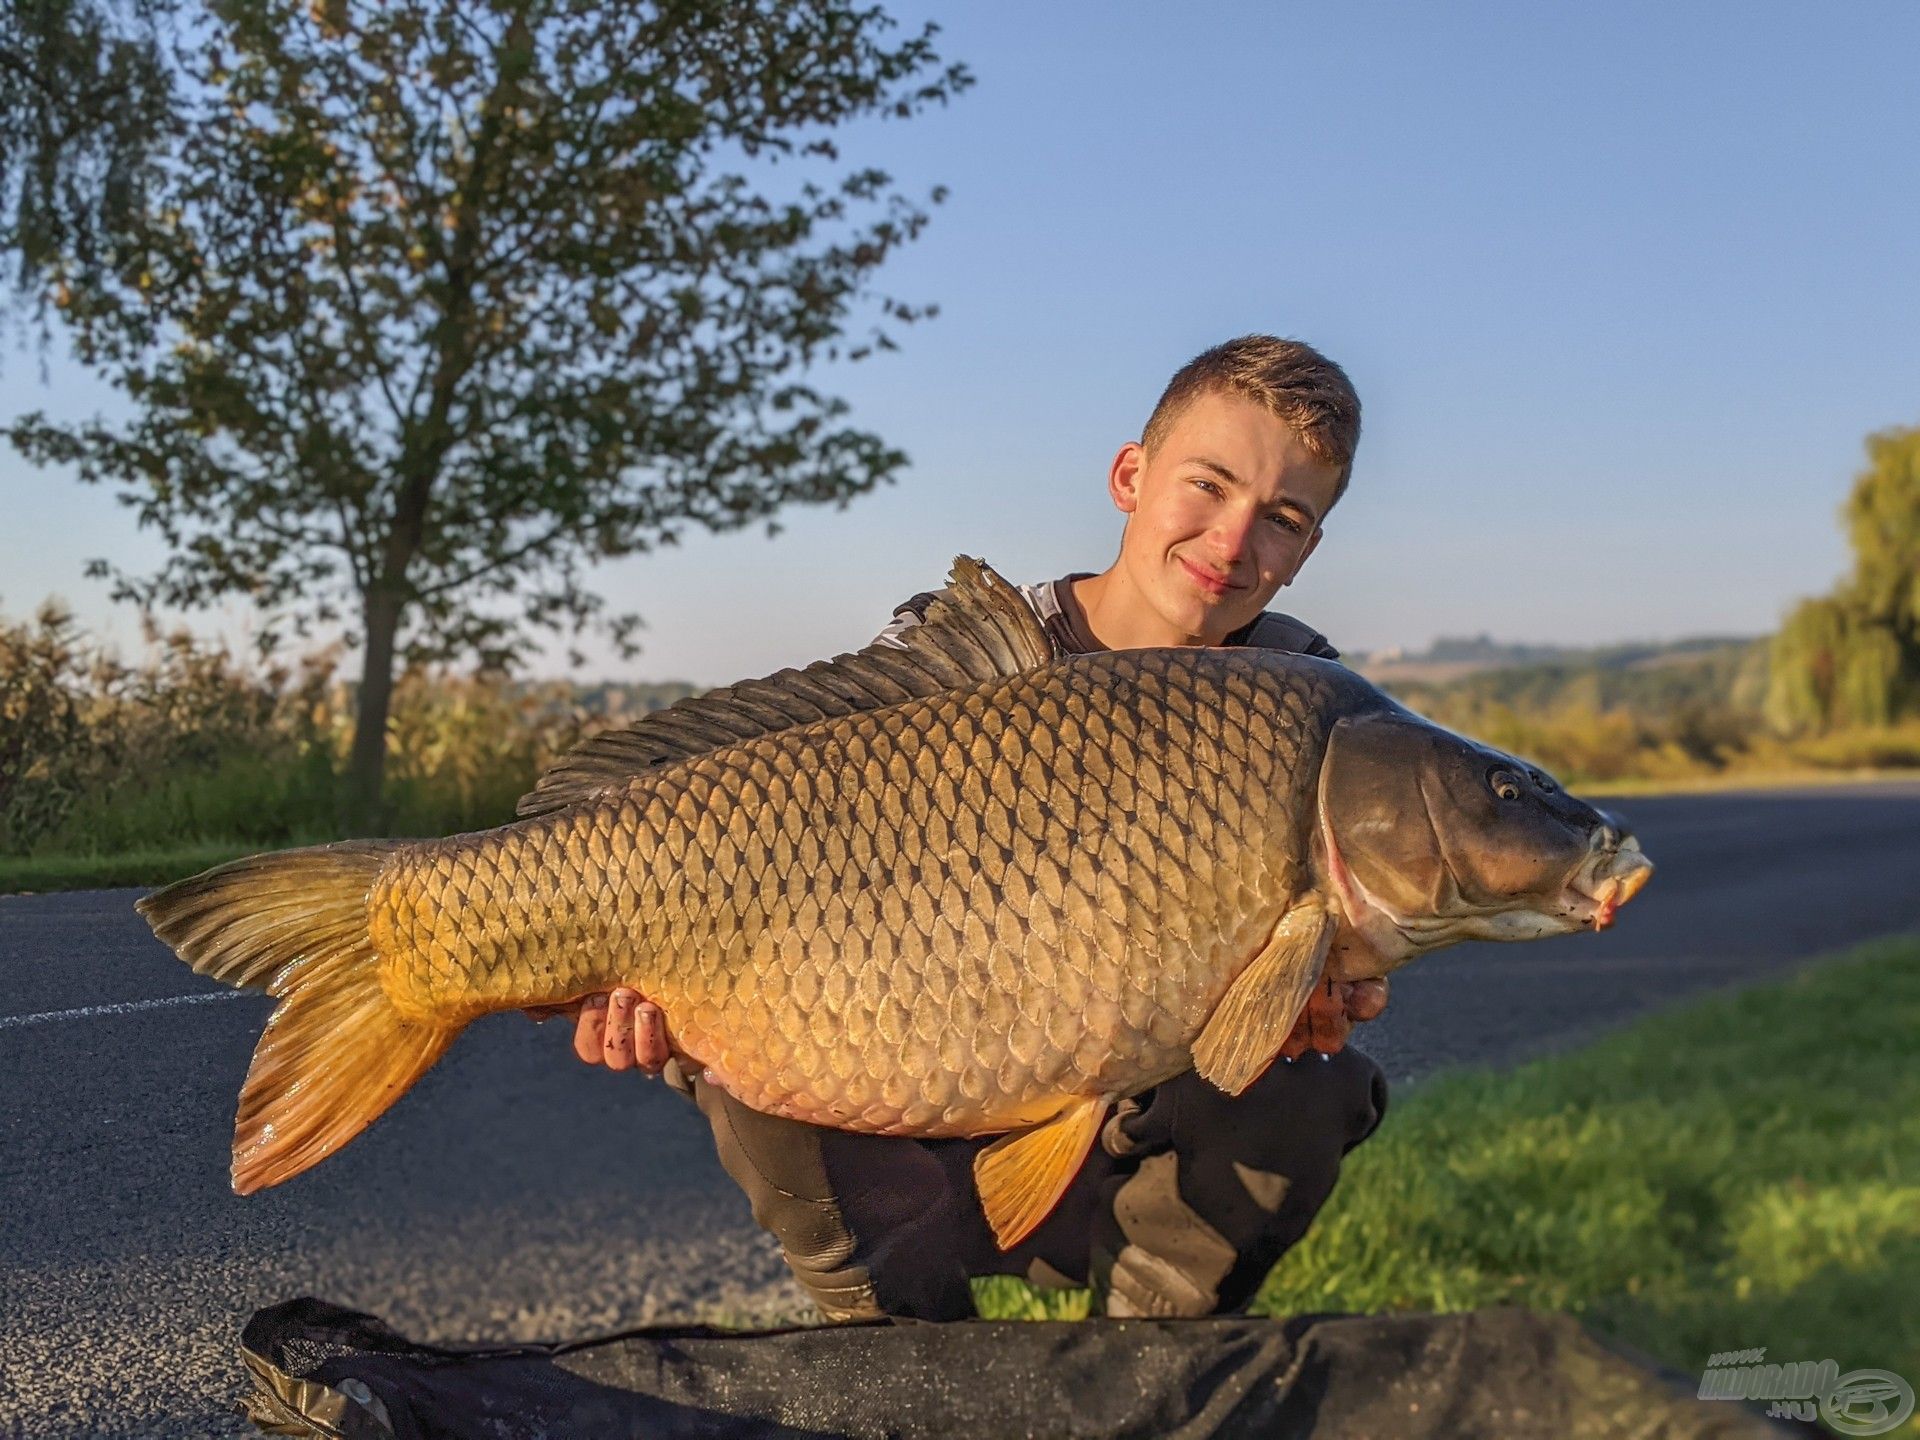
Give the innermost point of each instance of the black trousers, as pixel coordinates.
(1180, 1210)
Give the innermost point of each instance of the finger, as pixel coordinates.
(650, 1050)
(1307, 1028)
(1366, 999)
(1329, 1034)
(1299, 1039)
(617, 1047)
(1329, 1025)
(590, 1029)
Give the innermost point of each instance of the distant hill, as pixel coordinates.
(1453, 658)
(631, 697)
(1637, 674)
(1687, 677)
(1711, 671)
(598, 703)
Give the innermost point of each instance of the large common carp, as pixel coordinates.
(962, 888)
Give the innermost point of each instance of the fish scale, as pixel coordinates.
(883, 920)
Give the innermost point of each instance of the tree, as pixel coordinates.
(85, 98)
(1853, 657)
(430, 306)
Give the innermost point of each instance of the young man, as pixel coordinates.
(1192, 1195)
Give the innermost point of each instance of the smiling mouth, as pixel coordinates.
(1208, 581)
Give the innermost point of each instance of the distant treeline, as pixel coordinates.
(1453, 657)
(1657, 714)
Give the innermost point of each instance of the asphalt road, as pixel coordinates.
(518, 1194)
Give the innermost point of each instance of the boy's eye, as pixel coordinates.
(1286, 521)
(1207, 485)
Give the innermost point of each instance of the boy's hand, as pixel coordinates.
(624, 1031)
(621, 1030)
(1336, 1007)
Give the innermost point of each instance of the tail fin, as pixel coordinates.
(335, 1054)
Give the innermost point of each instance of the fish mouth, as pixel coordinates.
(1606, 882)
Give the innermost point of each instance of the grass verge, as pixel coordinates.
(156, 865)
(1746, 780)
(1740, 1172)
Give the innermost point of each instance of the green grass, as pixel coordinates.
(146, 865)
(1740, 1172)
(1783, 779)
(1002, 1297)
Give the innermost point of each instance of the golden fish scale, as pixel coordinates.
(939, 918)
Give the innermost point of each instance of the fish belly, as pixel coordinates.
(948, 917)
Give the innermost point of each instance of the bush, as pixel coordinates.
(190, 747)
(1880, 747)
(46, 742)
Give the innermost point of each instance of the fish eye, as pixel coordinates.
(1505, 783)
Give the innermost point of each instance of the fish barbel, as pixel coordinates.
(960, 889)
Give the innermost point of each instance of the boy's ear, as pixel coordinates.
(1123, 477)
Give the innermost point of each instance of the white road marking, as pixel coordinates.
(124, 1007)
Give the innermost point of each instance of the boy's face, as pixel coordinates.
(1223, 512)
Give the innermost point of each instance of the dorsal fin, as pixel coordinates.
(976, 629)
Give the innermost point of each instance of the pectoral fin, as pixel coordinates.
(1021, 1177)
(1255, 1016)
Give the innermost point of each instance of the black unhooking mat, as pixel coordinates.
(320, 1370)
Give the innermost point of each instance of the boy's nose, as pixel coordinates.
(1231, 537)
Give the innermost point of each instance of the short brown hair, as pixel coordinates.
(1291, 379)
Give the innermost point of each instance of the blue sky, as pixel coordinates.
(1622, 288)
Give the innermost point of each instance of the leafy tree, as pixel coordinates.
(85, 98)
(1853, 657)
(429, 306)
(1883, 521)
